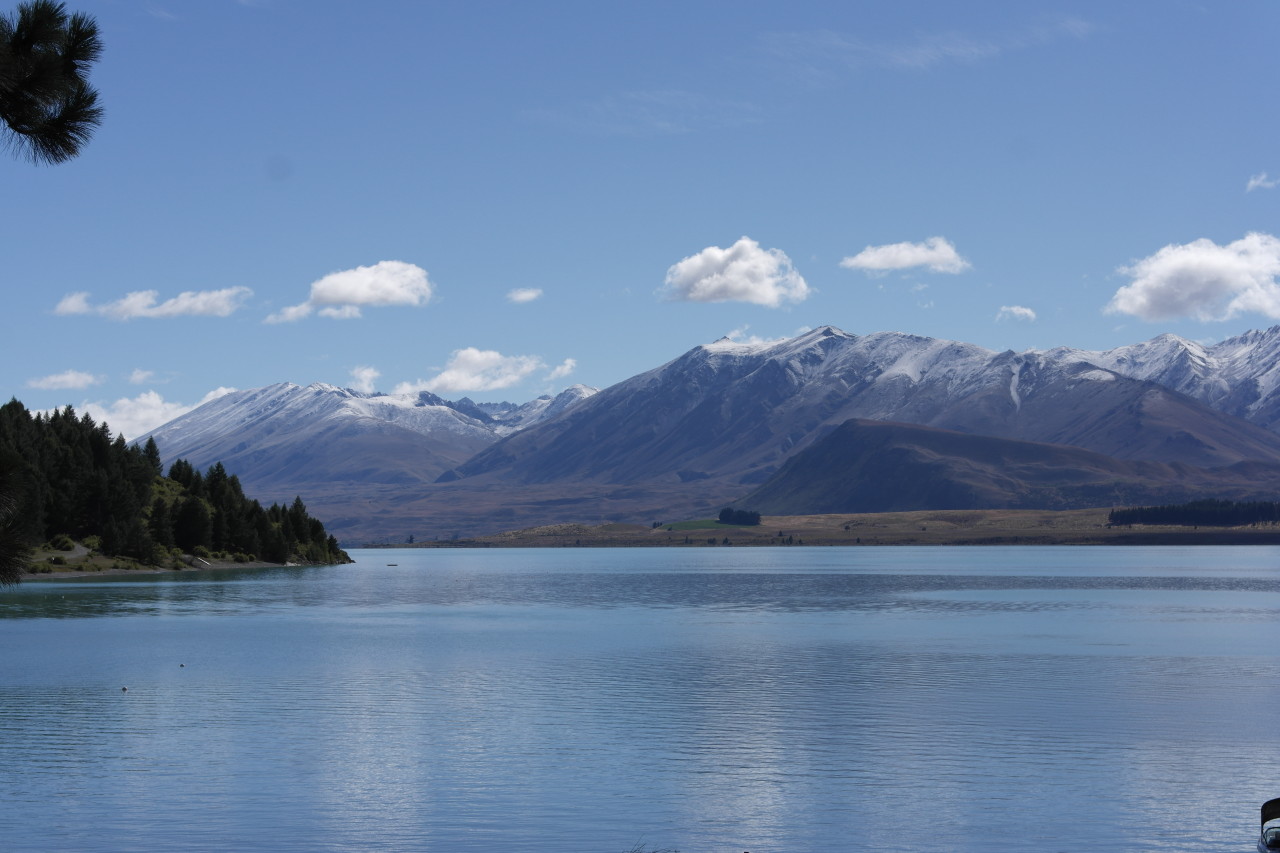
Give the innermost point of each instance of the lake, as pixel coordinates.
(703, 699)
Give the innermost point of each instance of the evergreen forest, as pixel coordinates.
(63, 475)
(1205, 513)
(744, 517)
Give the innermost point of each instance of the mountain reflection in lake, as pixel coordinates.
(712, 699)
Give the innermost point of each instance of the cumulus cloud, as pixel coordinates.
(744, 272)
(341, 295)
(936, 254)
(141, 377)
(1203, 281)
(74, 303)
(472, 369)
(364, 378)
(291, 314)
(67, 379)
(1015, 312)
(139, 415)
(564, 369)
(144, 303)
(524, 294)
(1261, 182)
(341, 312)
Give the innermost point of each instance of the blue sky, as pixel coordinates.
(497, 200)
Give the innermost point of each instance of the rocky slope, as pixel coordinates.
(1239, 376)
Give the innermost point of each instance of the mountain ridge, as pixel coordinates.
(741, 409)
(720, 420)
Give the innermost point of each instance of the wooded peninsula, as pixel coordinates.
(64, 479)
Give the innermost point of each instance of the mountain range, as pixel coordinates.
(731, 421)
(287, 435)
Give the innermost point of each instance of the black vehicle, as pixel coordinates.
(1269, 841)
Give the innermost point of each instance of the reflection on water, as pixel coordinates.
(806, 699)
(236, 592)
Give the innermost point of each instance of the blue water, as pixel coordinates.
(710, 699)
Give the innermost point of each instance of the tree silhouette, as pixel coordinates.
(46, 103)
(729, 515)
(14, 549)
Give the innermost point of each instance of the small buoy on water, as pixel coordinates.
(124, 689)
(182, 664)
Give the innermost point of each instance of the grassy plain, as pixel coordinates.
(937, 527)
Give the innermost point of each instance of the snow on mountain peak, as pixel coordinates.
(284, 407)
(823, 366)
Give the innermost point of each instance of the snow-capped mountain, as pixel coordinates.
(1239, 376)
(720, 420)
(282, 436)
(540, 409)
(738, 410)
(285, 405)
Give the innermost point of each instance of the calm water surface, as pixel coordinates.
(716, 699)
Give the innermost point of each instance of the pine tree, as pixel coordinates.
(152, 454)
(161, 523)
(46, 103)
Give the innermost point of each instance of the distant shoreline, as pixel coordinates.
(936, 527)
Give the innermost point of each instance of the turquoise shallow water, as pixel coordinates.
(802, 699)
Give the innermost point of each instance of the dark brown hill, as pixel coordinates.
(875, 466)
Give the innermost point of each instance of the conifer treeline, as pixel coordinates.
(73, 477)
(1206, 513)
(729, 515)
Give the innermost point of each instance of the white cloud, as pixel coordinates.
(524, 294)
(67, 379)
(364, 377)
(143, 303)
(566, 367)
(138, 416)
(291, 314)
(1015, 312)
(1261, 182)
(1204, 281)
(341, 312)
(936, 254)
(341, 295)
(141, 377)
(741, 273)
(472, 369)
(74, 303)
